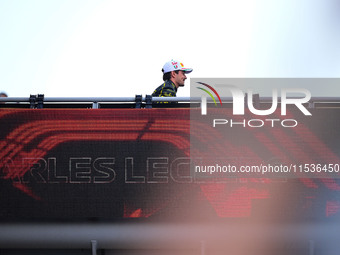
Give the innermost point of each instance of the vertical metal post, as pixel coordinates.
(94, 247)
(40, 101)
(311, 105)
(148, 100)
(95, 105)
(32, 101)
(138, 100)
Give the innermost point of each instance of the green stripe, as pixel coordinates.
(209, 94)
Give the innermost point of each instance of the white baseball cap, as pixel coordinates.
(174, 65)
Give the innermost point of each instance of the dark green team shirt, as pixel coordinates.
(167, 89)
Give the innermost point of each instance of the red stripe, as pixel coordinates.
(212, 90)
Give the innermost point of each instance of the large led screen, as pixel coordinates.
(124, 164)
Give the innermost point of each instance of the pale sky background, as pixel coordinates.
(64, 48)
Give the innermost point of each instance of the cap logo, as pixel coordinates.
(175, 64)
(181, 64)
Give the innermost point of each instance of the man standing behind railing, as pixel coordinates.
(173, 77)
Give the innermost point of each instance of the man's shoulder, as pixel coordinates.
(168, 85)
(167, 89)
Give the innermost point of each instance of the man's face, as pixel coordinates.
(179, 78)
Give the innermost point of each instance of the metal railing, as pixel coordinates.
(139, 101)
